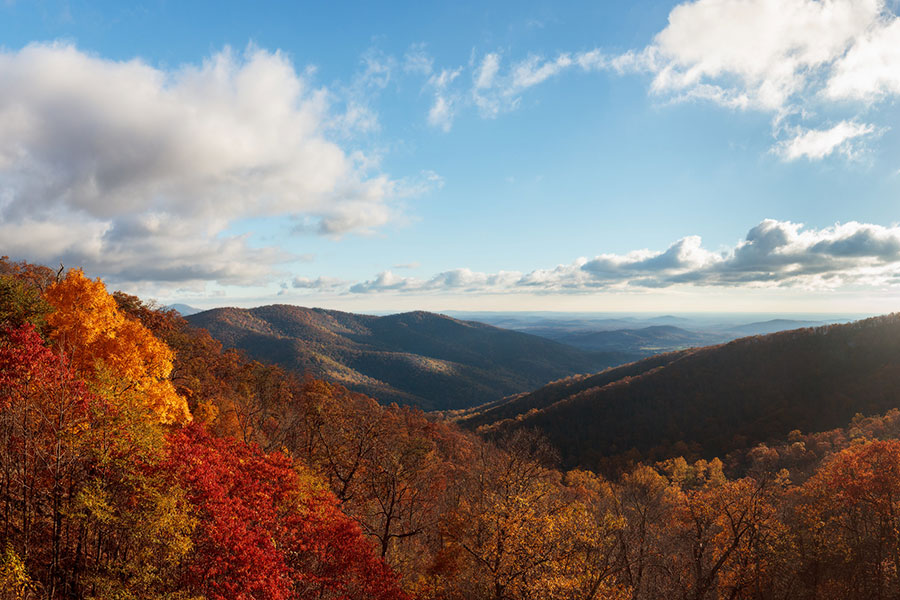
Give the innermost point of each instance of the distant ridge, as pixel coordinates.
(709, 401)
(184, 310)
(772, 326)
(421, 358)
(644, 341)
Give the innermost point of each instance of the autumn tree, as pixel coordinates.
(645, 503)
(88, 325)
(43, 411)
(81, 504)
(36, 277)
(849, 523)
(21, 304)
(593, 567)
(510, 528)
(266, 531)
(722, 530)
(15, 583)
(402, 481)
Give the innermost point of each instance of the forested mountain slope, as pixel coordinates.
(418, 358)
(710, 401)
(519, 404)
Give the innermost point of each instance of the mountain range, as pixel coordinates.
(608, 405)
(424, 359)
(642, 335)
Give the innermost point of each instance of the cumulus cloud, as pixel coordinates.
(773, 253)
(787, 58)
(755, 53)
(121, 167)
(870, 70)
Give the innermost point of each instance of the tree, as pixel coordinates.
(21, 304)
(43, 410)
(723, 531)
(511, 532)
(593, 567)
(848, 518)
(267, 531)
(15, 584)
(645, 502)
(89, 327)
(82, 503)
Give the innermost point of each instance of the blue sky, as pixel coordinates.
(726, 155)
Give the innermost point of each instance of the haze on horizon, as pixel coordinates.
(660, 157)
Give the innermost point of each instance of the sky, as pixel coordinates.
(715, 155)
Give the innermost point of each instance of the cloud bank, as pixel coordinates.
(138, 172)
(773, 254)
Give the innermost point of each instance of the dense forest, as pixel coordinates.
(140, 460)
(707, 402)
(425, 359)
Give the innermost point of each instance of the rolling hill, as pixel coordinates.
(710, 401)
(644, 341)
(641, 335)
(425, 359)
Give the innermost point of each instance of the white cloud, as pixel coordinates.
(871, 69)
(416, 60)
(789, 58)
(378, 69)
(764, 50)
(425, 182)
(493, 89)
(490, 65)
(533, 71)
(816, 144)
(457, 279)
(441, 113)
(774, 253)
(792, 59)
(442, 110)
(386, 280)
(320, 283)
(494, 92)
(119, 166)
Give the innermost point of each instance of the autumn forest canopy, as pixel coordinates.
(140, 459)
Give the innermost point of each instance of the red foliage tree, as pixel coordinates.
(266, 531)
(43, 409)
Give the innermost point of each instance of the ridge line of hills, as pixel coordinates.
(601, 410)
(713, 400)
(425, 359)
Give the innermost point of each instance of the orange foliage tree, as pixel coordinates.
(848, 524)
(108, 349)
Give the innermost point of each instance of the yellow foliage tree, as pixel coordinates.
(99, 340)
(15, 583)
